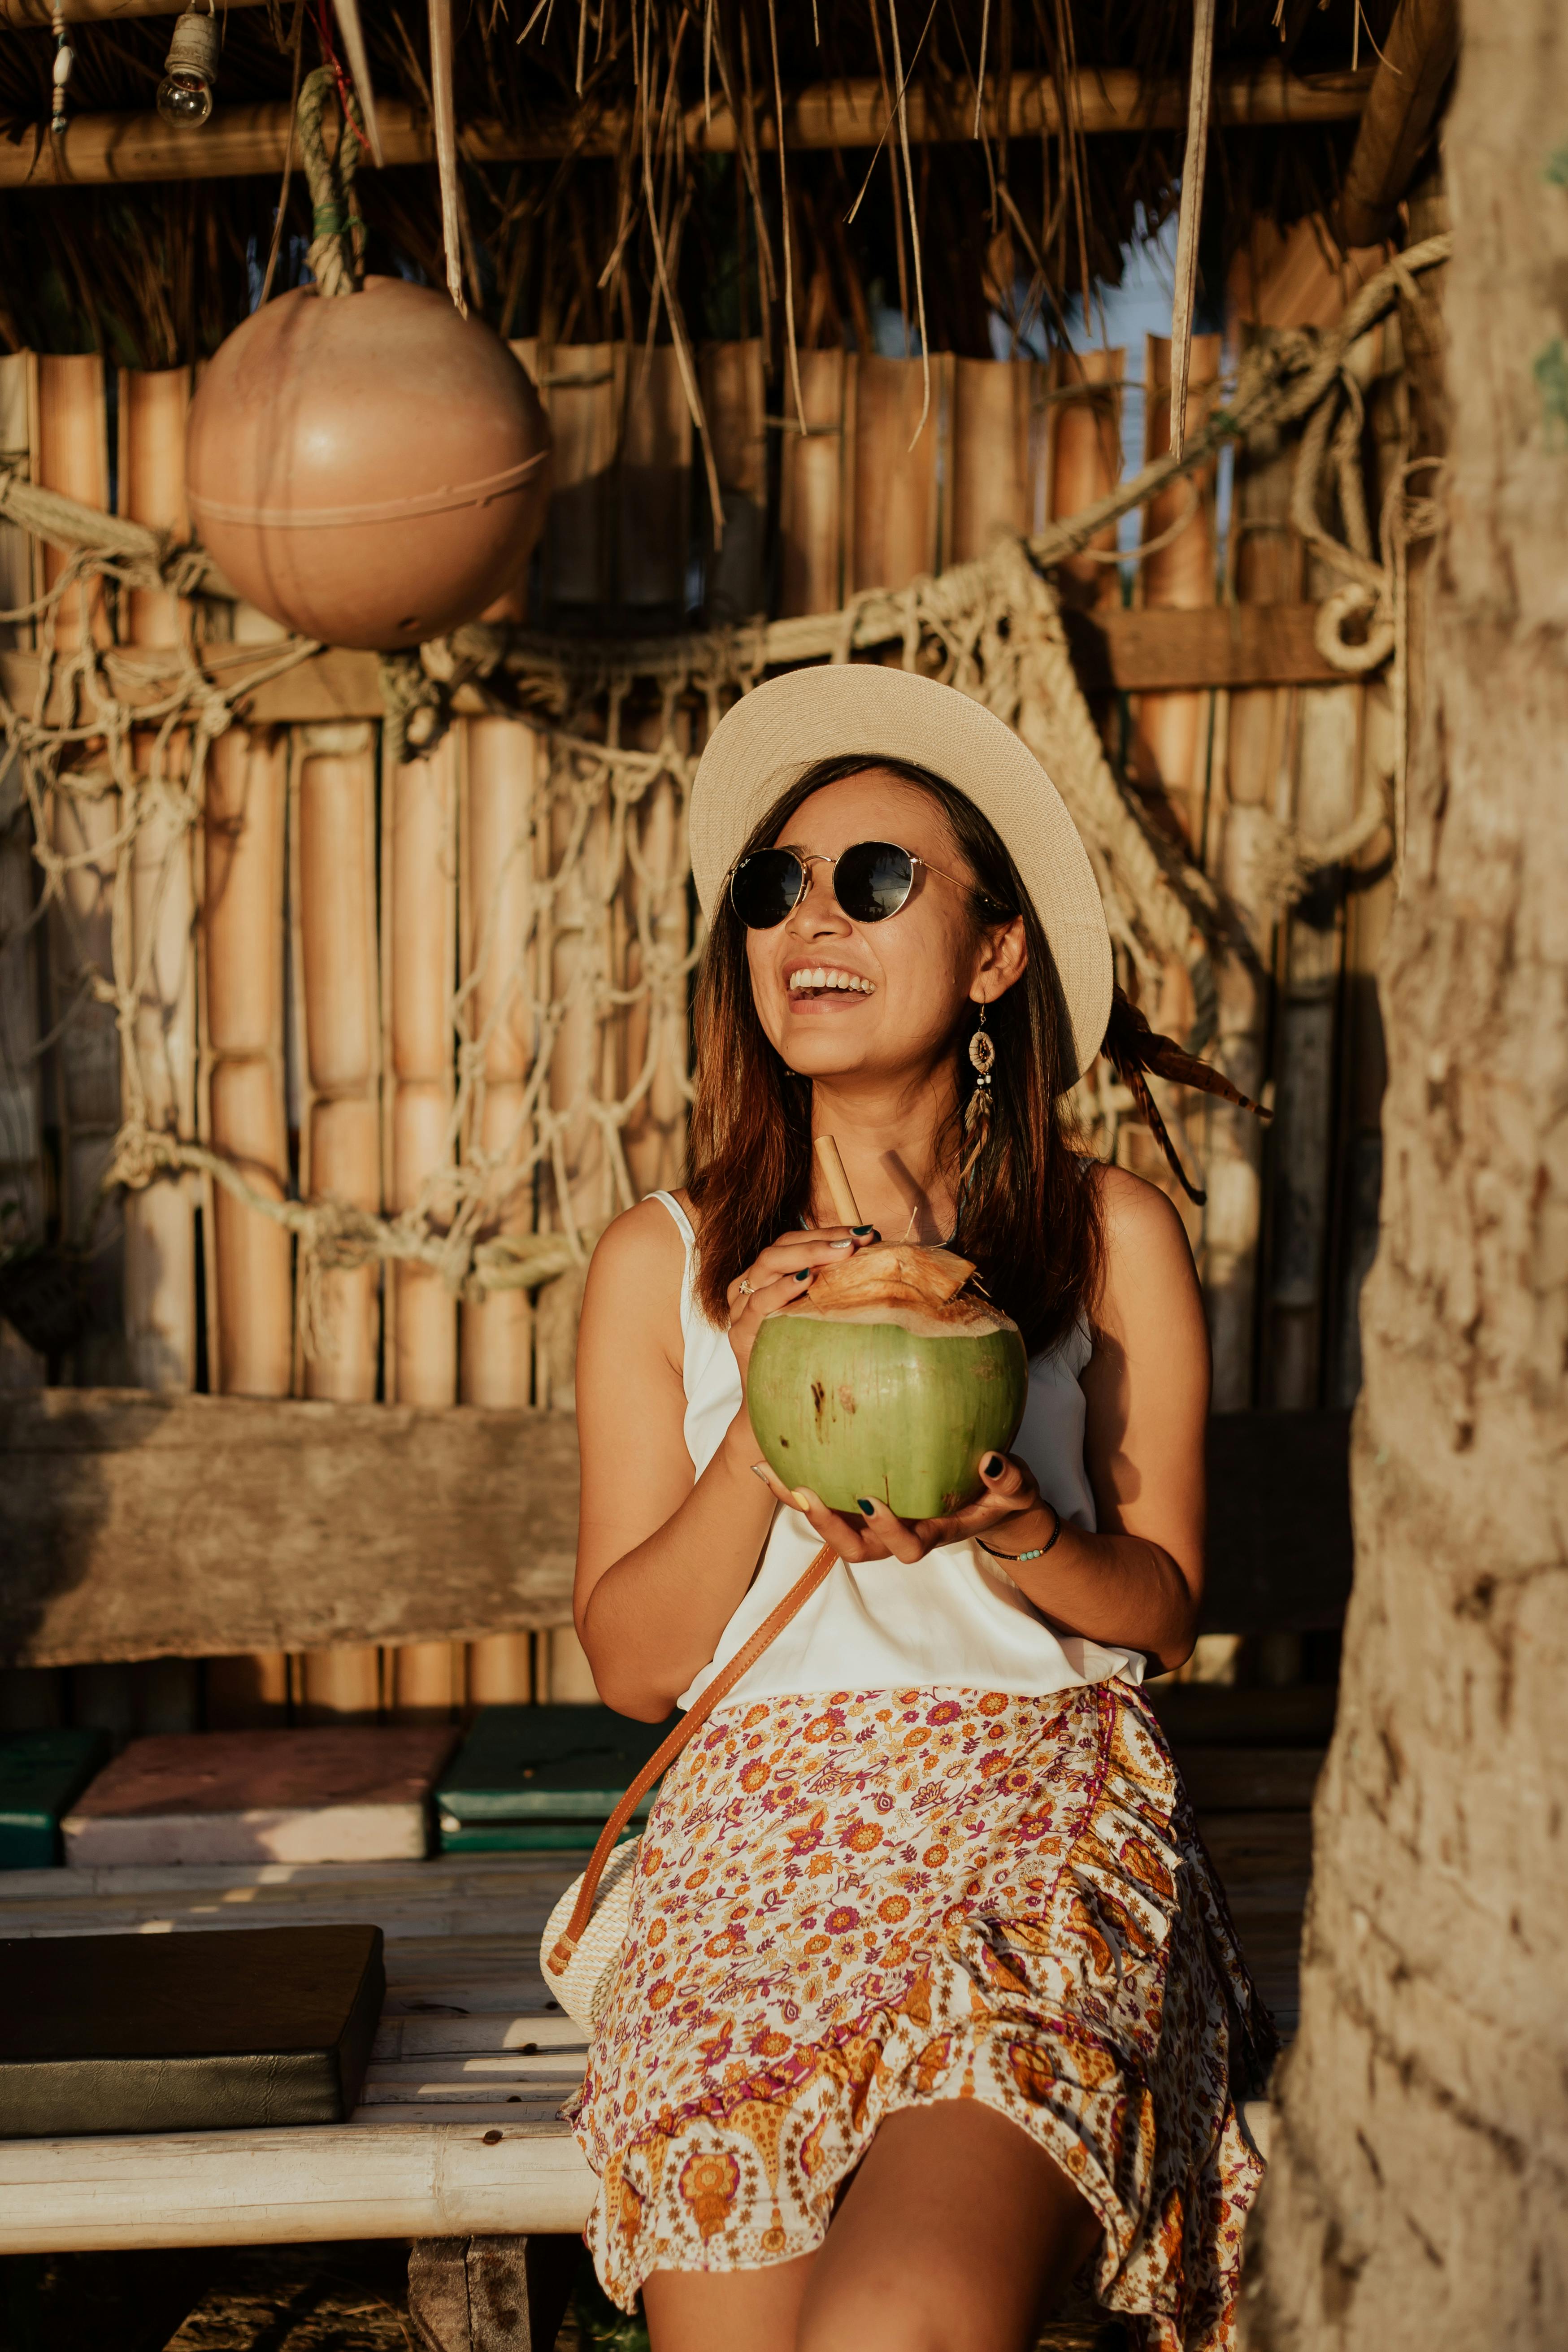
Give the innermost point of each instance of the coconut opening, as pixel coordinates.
(922, 1288)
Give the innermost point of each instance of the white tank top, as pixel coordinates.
(956, 1621)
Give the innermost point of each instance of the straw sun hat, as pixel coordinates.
(769, 739)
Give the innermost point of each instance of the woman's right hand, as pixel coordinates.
(783, 1272)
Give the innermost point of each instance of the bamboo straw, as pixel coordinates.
(994, 408)
(735, 398)
(160, 1221)
(1086, 456)
(1172, 729)
(900, 522)
(844, 1206)
(73, 457)
(654, 495)
(334, 903)
(21, 565)
(816, 478)
(503, 768)
(581, 385)
(419, 896)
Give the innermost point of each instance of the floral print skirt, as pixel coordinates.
(856, 1902)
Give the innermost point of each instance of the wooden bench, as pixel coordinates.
(458, 2142)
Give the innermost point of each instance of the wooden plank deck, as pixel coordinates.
(458, 2127)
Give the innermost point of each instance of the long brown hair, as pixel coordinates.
(1029, 1210)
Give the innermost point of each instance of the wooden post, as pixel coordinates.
(816, 486)
(902, 493)
(735, 398)
(491, 2294)
(333, 900)
(997, 475)
(159, 1220)
(505, 761)
(419, 966)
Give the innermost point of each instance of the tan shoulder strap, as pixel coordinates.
(722, 1683)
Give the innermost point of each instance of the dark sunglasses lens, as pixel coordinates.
(765, 887)
(872, 880)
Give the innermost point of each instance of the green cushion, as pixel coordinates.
(42, 1774)
(556, 1765)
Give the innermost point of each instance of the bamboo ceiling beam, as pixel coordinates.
(98, 149)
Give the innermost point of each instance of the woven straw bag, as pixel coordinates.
(581, 1949)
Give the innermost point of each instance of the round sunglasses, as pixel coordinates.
(870, 881)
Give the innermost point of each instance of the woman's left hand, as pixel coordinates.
(1007, 1508)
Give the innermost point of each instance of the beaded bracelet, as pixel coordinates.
(1016, 1559)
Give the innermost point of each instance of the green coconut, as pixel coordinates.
(890, 1379)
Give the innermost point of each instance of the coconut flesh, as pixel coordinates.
(890, 1379)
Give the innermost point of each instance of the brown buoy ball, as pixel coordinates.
(369, 469)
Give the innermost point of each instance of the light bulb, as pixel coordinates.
(184, 98)
(185, 92)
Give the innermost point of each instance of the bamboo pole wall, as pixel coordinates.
(335, 917)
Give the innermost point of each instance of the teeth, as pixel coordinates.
(821, 976)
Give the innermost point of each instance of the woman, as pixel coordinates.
(929, 1999)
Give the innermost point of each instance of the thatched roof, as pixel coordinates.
(563, 243)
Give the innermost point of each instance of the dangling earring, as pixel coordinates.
(977, 1109)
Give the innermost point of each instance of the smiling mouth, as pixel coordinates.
(826, 980)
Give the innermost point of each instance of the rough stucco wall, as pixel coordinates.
(1419, 2194)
